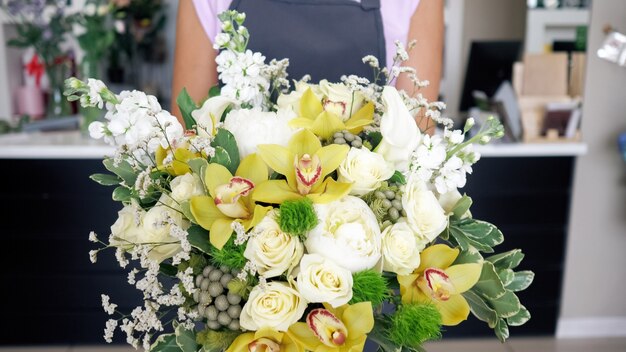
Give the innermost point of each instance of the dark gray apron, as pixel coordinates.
(323, 38)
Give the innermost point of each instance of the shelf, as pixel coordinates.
(546, 25)
(75, 145)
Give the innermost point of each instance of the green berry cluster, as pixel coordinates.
(345, 137)
(391, 202)
(216, 303)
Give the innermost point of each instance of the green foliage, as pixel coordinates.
(197, 262)
(226, 151)
(230, 256)
(186, 106)
(413, 324)
(165, 343)
(493, 299)
(216, 341)
(106, 179)
(199, 238)
(122, 169)
(462, 207)
(214, 91)
(185, 339)
(242, 287)
(369, 286)
(168, 269)
(297, 217)
(472, 233)
(122, 194)
(398, 178)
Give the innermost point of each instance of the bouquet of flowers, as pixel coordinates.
(304, 219)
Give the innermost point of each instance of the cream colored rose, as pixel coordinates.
(156, 232)
(347, 233)
(276, 306)
(400, 133)
(127, 227)
(322, 281)
(425, 215)
(209, 115)
(340, 100)
(252, 127)
(271, 250)
(401, 249)
(365, 170)
(186, 186)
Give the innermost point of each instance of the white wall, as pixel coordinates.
(595, 277)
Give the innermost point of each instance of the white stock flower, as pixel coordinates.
(424, 214)
(322, 281)
(366, 171)
(272, 251)
(97, 130)
(340, 100)
(277, 305)
(399, 130)
(127, 228)
(252, 127)
(401, 249)
(209, 115)
(347, 233)
(186, 186)
(156, 233)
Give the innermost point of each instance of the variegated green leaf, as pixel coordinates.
(165, 343)
(480, 309)
(521, 281)
(508, 260)
(489, 285)
(506, 276)
(462, 206)
(506, 305)
(502, 330)
(520, 318)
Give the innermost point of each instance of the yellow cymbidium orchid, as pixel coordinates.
(305, 164)
(323, 122)
(342, 329)
(229, 199)
(439, 282)
(176, 163)
(265, 340)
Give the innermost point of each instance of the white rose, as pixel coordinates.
(252, 127)
(424, 213)
(276, 305)
(401, 249)
(186, 186)
(400, 133)
(271, 250)
(365, 170)
(157, 233)
(127, 228)
(322, 281)
(341, 100)
(347, 233)
(209, 115)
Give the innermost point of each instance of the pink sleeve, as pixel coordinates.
(396, 22)
(207, 11)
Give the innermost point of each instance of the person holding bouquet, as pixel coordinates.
(325, 39)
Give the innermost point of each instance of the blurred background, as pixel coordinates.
(553, 71)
